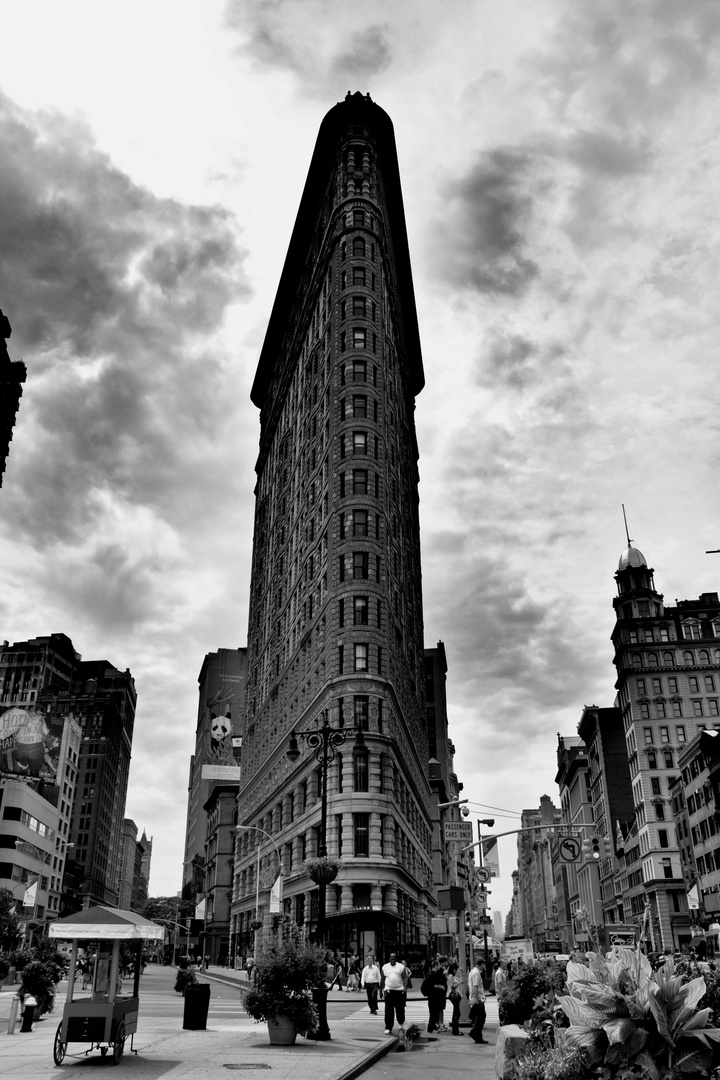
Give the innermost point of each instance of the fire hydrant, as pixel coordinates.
(28, 1015)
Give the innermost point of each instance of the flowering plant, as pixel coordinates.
(322, 868)
(284, 975)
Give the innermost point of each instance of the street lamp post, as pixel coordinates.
(489, 822)
(256, 828)
(324, 742)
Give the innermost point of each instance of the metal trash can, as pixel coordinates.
(197, 1003)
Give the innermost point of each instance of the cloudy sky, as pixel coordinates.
(560, 169)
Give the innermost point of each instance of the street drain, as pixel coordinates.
(247, 1066)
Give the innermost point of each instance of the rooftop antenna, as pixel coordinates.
(626, 525)
(713, 551)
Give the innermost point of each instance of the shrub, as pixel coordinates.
(40, 980)
(284, 975)
(526, 991)
(4, 969)
(552, 1064)
(185, 977)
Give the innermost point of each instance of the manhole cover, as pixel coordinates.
(244, 1066)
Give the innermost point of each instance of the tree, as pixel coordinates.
(168, 908)
(9, 922)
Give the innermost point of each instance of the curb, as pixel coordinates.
(369, 1059)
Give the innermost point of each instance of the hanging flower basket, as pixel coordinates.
(255, 924)
(322, 870)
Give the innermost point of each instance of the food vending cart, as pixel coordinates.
(104, 1015)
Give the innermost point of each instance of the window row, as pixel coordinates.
(668, 659)
(358, 306)
(357, 657)
(359, 522)
(360, 443)
(359, 482)
(650, 737)
(358, 373)
(355, 407)
(652, 759)
(358, 338)
(358, 276)
(359, 249)
(357, 610)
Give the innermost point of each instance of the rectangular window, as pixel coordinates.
(655, 785)
(710, 684)
(667, 755)
(359, 406)
(339, 833)
(673, 684)
(664, 636)
(661, 710)
(361, 711)
(360, 770)
(663, 838)
(380, 660)
(657, 686)
(358, 217)
(697, 708)
(659, 812)
(358, 305)
(641, 686)
(713, 707)
(359, 370)
(361, 834)
(360, 522)
(664, 734)
(360, 565)
(644, 710)
(341, 612)
(358, 247)
(341, 659)
(648, 733)
(680, 732)
(342, 485)
(677, 708)
(358, 337)
(359, 482)
(358, 275)
(693, 684)
(341, 567)
(652, 759)
(361, 657)
(360, 610)
(360, 442)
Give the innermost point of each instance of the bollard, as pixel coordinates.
(14, 1006)
(28, 1014)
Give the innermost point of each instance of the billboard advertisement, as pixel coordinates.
(30, 743)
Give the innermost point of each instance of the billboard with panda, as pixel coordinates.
(222, 701)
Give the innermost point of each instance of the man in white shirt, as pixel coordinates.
(393, 984)
(370, 982)
(476, 996)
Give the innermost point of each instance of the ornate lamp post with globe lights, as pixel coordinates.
(324, 742)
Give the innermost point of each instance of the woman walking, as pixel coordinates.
(433, 988)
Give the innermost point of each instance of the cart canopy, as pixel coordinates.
(104, 923)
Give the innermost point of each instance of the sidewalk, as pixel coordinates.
(167, 1051)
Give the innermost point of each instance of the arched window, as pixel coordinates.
(669, 659)
(703, 657)
(688, 658)
(358, 247)
(652, 659)
(636, 661)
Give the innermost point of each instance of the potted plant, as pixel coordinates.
(284, 975)
(322, 869)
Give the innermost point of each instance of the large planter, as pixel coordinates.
(282, 1031)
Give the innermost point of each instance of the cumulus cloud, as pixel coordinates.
(481, 242)
(309, 40)
(113, 294)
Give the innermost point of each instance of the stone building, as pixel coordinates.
(538, 912)
(335, 625)
(668, 667)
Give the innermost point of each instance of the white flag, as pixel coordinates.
(30, 895)
(200, 910)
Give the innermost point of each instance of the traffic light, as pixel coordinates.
(595, 847)
(586, 849)
(607, 847)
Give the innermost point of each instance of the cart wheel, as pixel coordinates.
(119, 1044)
(59, 1047)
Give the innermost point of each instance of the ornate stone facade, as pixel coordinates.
(335, 625)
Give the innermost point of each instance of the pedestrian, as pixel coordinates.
(353, 977)
(455, 983)
(499, 980)
(370, 982)
(476, 997)
(393, 986)
(433, 988)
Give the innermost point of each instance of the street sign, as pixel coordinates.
(458, 830)
(481, 897)
(569, 849)
(462, 870)
(482, 874)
